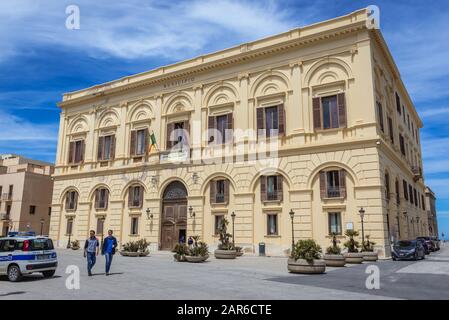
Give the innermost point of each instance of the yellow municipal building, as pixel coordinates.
(315, 122)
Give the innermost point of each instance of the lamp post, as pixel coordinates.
(192, 214)
(42, 225)
(70, 233)
(362, 214)
(233, 235)
(292, 214)
(149, 214)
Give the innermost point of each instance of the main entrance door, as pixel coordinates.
(174, 215)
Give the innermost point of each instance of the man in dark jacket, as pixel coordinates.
(108, 249)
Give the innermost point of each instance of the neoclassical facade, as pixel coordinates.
(168, 153)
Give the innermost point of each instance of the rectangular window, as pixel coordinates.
(408, 122)
(330, 112)
(101, 198)
(134, 226)
(416, 197)
(380, 114)
(398, 103)
(135, 197)
(272, 224)
(140, 145)
(71, 200)
(271, 121)
(272, 188)
(8, 209)
(334, 223)
(410, 192)
(333, 184)
(402, 144)
(222, 125)
(390, 129)
(403, 113)
(387, 186)
(106, 146)
(76, 152)
(69, 227)
(100, 226)
(217, 224)
(49, 211)
(220, 189)
(423, 202)
(32, 209)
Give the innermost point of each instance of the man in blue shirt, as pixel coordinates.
(108, 250)
(91, 251)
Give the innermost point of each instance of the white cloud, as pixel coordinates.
(431, 113)
(16, 129)
(135, 29)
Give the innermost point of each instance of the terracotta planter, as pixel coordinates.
(334, 260)
(370, 256)
(225, 254)
(196, 259)
(353, 257)
(303, 266)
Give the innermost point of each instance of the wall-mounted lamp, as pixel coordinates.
(154, 181)
(195, 177)
(149, 214)
(192, 214)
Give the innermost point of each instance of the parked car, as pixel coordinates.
(424, 244)
(408, 250)
(436, 242)
(429, 242)
(20, 255)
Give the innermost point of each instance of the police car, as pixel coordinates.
(20, 255)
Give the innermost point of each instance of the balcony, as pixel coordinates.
(417, 173)
(219, 198)
(333, 192)
(272, 196)
(6, 196)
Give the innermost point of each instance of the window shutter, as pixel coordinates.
(71, 151)
(170, 128)
(342, 176)
(75, 201)
(130, 196)
(263, 188)
(226, 191)
(67, 200)
(281, 117)
(83, 148)
(212, 191)
(316, 102)
(280, 187)
(146, 140)
(132, 148)
(140, 196)
(112, 147)
(230, 132)
(323, 187)
(186, 132)
(100, 148)
(211, 127)
(97, 199)
(106, 198)
(404, 187)
(260, 123)
(341, 102)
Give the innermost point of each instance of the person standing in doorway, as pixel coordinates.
(108, 249)
(91, 249)
(190, 241)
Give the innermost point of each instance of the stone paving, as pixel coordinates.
(249, 277)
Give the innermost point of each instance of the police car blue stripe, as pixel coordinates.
(20, 257)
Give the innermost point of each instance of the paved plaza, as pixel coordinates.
(249, 277)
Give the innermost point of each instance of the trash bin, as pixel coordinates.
(262, 249)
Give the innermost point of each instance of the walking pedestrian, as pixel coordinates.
(108, 249)
(91, 249)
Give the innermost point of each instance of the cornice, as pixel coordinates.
(353, 22)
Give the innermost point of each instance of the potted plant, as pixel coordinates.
(135, 248)
(333, 256)
(75, 245)
(199, 252)
(225, 249)
(180, 251)
(368, 250)
(305, 258)
(353, 255)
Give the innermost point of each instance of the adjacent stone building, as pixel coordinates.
(431, 212)
(170, 152)
(26, 190)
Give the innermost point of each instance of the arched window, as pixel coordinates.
(135, 196)
(219, 191)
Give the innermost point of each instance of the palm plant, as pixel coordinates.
(368, 246)
(306, 249)
(352, 244)
(225, 242)
(334, 249)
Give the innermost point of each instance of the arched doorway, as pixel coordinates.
(174, 215)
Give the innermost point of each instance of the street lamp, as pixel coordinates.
(149, 214)
(42, 225)
(192, 214)
(233, 235)
(292, 214)
(362, 214)
(70, 233)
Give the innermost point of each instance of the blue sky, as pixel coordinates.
(40, 59)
